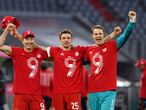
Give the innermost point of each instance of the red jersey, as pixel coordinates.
(27, 70)
(103, 67)
(143, 84)
(67, 69)
(46, 83)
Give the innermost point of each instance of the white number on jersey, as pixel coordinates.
(75, 105)
(33, 67)
(71, 66)
(99, 63)
(42, 106)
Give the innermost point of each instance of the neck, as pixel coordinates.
(28, 50)
(100, 43)
(66, 48)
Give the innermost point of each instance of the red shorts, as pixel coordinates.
(28, 102)
(66, 102)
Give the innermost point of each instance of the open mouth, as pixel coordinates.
(98, 39)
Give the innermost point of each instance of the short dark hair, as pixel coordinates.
(65, 31)
(98, 27)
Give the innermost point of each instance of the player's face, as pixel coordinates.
(28, 43)
(98, 36)
(66, 40)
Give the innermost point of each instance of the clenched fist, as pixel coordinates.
(132, 16)
(117, 30)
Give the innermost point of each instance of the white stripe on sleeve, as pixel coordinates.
(48, 51)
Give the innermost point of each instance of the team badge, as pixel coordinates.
(76, 53)
(90, 52)
(104, 50)
(61, 54)
(38, 55)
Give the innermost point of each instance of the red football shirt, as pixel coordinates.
(103, 67)
(67, 69)
(27, 70)
(143, 84)
(46, 81)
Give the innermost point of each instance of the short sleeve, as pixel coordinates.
(51, 51)
(15, 51)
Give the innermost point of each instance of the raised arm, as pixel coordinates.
(4, 48)
(123, 38)
(17, 35)
(114, 34)
(3, 36)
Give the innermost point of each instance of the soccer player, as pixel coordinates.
(68, 61)
(26, 60)
(103, 58)
(141, 64)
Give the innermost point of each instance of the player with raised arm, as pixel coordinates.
(103, 58)
(26, 61)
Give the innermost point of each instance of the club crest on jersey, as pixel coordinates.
(90, 52)
(76, 54)
(61, 54)
(104, 50)
(38, 55)
(97, 60)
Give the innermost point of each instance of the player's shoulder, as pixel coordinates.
(55, 48)
(82, 47)
(110, 42)
(91, 46)
(17, 48)
(38, 50)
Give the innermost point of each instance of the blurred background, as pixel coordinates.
(46, 18)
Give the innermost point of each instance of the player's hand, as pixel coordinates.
(132, 16)
(11, 27)
(117, 30)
